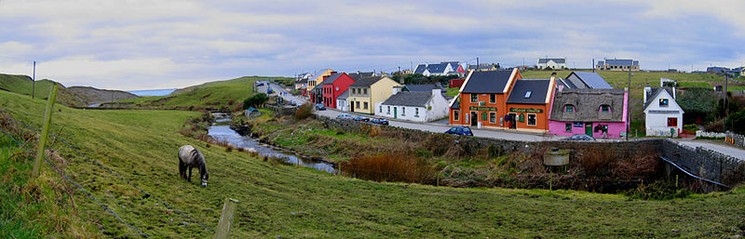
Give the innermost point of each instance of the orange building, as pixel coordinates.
(503, 100)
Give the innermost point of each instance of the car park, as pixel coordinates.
(344, 116)
(460, 130)
(379, 121)
(580, 137)
(361, 119)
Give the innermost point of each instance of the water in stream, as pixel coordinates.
(225, 133)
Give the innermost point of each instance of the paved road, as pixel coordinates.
(441, 126)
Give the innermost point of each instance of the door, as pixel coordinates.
(588, 128)
(474, 118)
(395, 112)
(351, 106)
(513, 121)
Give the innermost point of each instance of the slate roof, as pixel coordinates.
(566, 83)
(331, 78)
(538, 88)
(436, 68)
(358, 75)
(456, 104)
(656, 91)
(556, 60)
(487, 82)
(591, 80)
(420, 69)
(366, 81)
(621, 62)
(417, 99)
(302, 81)
(587, 103)
(482, 66)
(344, 95)
(424, 87)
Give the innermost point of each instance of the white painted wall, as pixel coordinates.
(552, 64)
(341, 104)
(656, 123)
(436, 108)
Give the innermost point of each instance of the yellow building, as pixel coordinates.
(312, 83)
(368, 91)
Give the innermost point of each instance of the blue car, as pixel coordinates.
(379, 121)
(344, 116)
(361, 119)
(580, 137)
(460, 130)
(320, 107)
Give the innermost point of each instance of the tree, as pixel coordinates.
(698, 103)
(256, 100)
(736, 122)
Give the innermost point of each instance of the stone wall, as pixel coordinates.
(700, 161)
(735, 139)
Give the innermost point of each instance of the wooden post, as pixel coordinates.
(223, 227)
(45, 130)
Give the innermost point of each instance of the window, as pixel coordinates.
(380, 109)
(605, 108)
(492, 98)
(365, 91)
(664, 102)
(389, 109)
(483, 116)
(493, 117)
(365, 105)
(532, 120)
(357, 104)
(416, 112)
(569, 108)
(474, 98)
(403, 111)
(456, 115)
(568, 127)
(528, 94)
(672, 122)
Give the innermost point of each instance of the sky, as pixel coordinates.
(152, 44)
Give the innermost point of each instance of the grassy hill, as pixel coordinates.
(277, 200)
(214, 95)
(23, 85)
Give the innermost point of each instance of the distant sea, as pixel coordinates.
(152, 92)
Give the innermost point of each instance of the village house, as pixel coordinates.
(456, 83)
(316, 94)
(441, 69)
(552, 63)
(600, 113)
(341, 101)
(484, 67)
(585, 80)
(300, 84)
(365, 93)
(503, 100)
(333, 86)
(414, 105)
(662, 114)
(617, 65)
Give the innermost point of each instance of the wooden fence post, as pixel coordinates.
(223, 227)
(45, 130)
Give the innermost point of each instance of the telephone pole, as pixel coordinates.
(628, 104)
(33, 82)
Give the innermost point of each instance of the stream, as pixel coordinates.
(225, 133)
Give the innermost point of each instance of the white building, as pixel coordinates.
(414, 106)
(663, 115)
(553, 63)
(341, 101)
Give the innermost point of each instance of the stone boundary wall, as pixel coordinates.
(700, 161)
(700, 133)
(735, 139)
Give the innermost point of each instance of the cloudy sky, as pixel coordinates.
(151, 44)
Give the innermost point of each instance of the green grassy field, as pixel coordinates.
(23, 85)
(209, 95)
(277, 200)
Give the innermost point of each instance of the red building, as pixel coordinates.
(333, 86)
(455, 83)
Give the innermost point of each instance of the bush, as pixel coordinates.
(659, 190)
(256, 100)
(304, 111)
(389, 168)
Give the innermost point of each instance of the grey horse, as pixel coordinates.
(189, 158)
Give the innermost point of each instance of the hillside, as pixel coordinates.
(278, 200)
(213, 95)
(75, 96)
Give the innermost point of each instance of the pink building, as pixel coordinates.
(600, 113)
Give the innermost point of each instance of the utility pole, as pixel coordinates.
(726, 79)
(33, 82)
(477, 64)
(628, 105)
(593, 65)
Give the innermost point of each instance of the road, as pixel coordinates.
(442, 126)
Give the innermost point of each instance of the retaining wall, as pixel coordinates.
(700, 161)
(735, 139)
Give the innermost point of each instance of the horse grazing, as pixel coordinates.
(189, 158)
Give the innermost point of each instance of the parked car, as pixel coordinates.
(361, 119)
(320, 107)
(344, 116)
(580, 137)
(379, 121)
(460, 130)
(269, 91)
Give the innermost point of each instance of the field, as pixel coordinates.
(277, 200)
(23, 85)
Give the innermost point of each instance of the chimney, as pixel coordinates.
(397, 89)
(436, 91)
(647, 91)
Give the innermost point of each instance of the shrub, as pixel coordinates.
(389, 168)
(659, 190)
(256, 100)
(304, 111)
